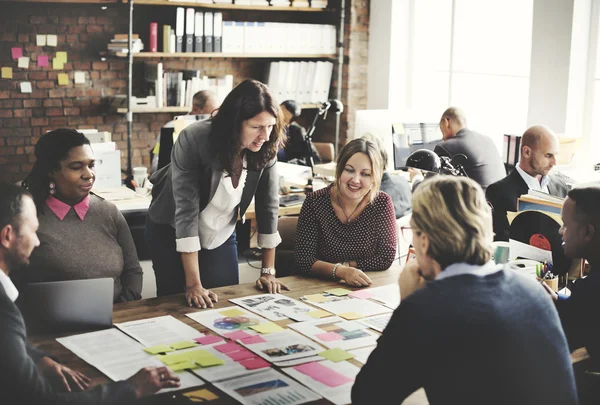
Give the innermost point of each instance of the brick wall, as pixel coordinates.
(83, 30)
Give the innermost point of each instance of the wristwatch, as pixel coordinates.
(267, 270)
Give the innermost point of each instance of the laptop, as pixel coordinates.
(71, 305)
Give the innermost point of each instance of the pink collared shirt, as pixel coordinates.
(61, 209)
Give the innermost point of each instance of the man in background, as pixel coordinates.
(203, 104)
(484, 164)
(539, 149)
(296, 147)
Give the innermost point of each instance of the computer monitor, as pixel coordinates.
(409, 137)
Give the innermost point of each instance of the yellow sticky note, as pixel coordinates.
(61, 56)
(63, 79)
(158, 349)
(7, 73)
(318, 313)
(51, 40)
(232, 312)
(40, 40)
(57, 64)
(315, 298)
(338, 291)
(267, 327)
(185, 365)
(182, 345)
(336, 355)
(175, 358)
(351, 315)
(194, 355)
(23, 62)
(201, 395)
(210, 361)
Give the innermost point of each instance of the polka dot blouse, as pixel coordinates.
(370, 239)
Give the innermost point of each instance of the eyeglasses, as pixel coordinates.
(407, 234)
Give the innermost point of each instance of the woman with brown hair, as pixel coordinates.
(217, 167)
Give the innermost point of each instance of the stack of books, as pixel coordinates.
(119, 44)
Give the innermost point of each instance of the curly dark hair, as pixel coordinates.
(52, 147)
(246, 100)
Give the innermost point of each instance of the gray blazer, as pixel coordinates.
(184, 188)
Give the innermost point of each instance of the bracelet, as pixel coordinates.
(335, 266)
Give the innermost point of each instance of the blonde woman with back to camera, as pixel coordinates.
(466, 330)
(349, 227)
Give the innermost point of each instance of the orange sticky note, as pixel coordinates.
(318, 313)
(351, 315)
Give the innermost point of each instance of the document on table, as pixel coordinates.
(275, 307)
(335, 332)
(159, 330)
(378, 322)
(267, 388)
(226, 320)
(345, 306)
(230, 369)
(361, 355)
(331, 380)
(118, 356)
(284, 346)
(388, 295)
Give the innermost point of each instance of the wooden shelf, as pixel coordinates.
(227, 6)
(226, 55)
(62, 1)
(154, 110)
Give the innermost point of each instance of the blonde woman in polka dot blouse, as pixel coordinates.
(349, 227)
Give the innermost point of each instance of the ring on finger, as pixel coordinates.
(162, 376)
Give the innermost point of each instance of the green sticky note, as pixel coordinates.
(63, 79)
(338, 291)
(318, 313)
(158, 349)
(184, 365)
(7, 73)
(267, 327)
(315, 298)
(58, 64)
(232, 312)
(351, 315)
(210, 361)
(62, 56)
(336, 355)
(173, 358)
(194, 355)
(182, 345)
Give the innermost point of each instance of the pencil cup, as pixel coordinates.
(501, 251)
(551, 282)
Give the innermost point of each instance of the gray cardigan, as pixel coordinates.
(184, 188)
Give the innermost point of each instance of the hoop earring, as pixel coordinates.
(52, 188)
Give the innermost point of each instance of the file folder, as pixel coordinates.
(199, 32)
(190, 20)
(218, 32)
(179, 29)
(208, 32)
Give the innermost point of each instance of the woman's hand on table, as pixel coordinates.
(353, 276)
(271, 284)
(200, 297)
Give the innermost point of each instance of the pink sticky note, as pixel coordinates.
(238, 334)
(253, 339)
(16, 52)
(323, 374)
(361, 294)
(241, 355)
(329, 336)
(208, 339)
(254, 364)
(42, 60)
(228, 347)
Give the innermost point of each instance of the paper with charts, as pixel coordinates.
(275, 307)
(378, 322)
(159, 330)
(267, 388)
(118, 356)
(227, 320)
(345, 306)
(284, 346)
(335, 332)
(331, 380)
(388, 295)
(361, 355)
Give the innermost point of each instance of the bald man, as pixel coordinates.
(484, 164)
(539, 149)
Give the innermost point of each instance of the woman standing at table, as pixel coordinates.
(217, 167)
(349, 227)
(82, 235)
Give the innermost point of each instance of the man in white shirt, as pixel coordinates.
(539, 149)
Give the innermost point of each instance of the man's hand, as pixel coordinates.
(271, 283)
(151, 379)
(66, 378)
(200, 297)
(410, 279)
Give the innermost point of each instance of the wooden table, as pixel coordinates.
(174, 306)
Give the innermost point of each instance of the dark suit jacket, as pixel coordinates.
(502, 197)
(398, 188)
(20, 382)
(483, 164)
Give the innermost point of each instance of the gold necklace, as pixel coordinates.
(342, 207)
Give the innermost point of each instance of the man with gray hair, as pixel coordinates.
(483, 164)
(539, 148)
